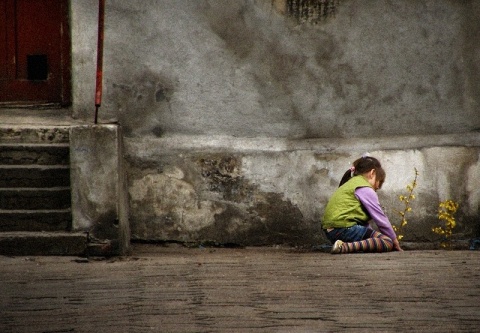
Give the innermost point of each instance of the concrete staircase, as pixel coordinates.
(35, 194)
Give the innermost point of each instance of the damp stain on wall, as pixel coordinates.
(250, 215)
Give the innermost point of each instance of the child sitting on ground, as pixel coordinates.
(353, 205)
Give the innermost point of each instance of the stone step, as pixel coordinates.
(43, 243)
(35, 198)
(41, 154)
(34, 176)
(35, 220)
(34, 134)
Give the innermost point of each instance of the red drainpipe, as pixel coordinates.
(98, 86)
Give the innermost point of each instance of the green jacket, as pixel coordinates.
(344, 209)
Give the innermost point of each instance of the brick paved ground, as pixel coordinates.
(175, 289)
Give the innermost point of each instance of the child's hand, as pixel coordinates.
(396, 245)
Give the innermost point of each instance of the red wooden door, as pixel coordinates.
(34, 52)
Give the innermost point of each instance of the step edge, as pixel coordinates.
(35, 144)
(35, 211)
(33, 189)
(35, 166)
(24, 234)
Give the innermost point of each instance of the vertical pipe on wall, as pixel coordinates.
(98, 86)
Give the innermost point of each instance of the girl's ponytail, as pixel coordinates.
(362, 165)
(346, 176)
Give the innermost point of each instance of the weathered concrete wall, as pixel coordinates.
(84, 22)
(268, 191)
(99, 204)
(242, 68)
(239, 120)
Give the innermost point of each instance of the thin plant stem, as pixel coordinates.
(406, 200)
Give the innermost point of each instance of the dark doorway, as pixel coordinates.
(34, 52)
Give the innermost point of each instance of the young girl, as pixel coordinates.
(350, 208)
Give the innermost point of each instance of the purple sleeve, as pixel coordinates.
(369, 199)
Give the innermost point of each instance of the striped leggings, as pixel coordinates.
(373, 241)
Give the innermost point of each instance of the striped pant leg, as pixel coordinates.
(377, 242)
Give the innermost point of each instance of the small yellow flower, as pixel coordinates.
(446, 211)
(406, 203)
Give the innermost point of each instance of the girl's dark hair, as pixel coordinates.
(363, 165)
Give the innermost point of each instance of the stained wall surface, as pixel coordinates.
(243, 68)
(273, 191)
(234, 111)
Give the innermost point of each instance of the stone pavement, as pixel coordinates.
(177, 289)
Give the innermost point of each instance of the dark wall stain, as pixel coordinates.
(231, 25)
(145, 99)
(278, 222)
(106, 226)
(271, 220)
(243, 213)
(221, 173)
(251, 216)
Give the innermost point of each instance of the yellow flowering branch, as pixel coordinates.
(446, 213)
(406, 199)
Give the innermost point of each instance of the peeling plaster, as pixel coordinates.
(174, 197)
